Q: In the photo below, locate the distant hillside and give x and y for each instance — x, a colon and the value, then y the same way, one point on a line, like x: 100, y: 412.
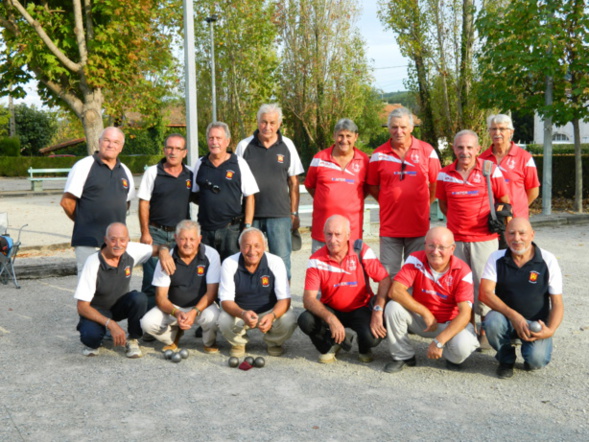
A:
x: 405, y: 98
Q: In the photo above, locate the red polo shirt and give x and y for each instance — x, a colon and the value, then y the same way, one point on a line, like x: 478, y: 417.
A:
x: 337, y: 191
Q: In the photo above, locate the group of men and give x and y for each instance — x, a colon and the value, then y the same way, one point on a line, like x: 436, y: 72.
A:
x: 217, y: 273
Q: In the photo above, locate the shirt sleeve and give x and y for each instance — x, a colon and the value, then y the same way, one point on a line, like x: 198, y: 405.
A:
x: 132, y: 192
x: 490, y: 270
x: 441, y: 186
x: 312, y: 276
x: 139, y: 252
x: 195, y: 187
x: 373, y: 177
x: 434, y: 166
x: 249, y: 186
x: 311, y: 178
x: 555, y: 275
x: 227, y: 284
x: 464, y: 291
x: 296, y: 167
x: 86, y: 287
x: 374, y: 268
x: 77, y: 177
x: 281, y: 285
x: 214, y: 271
x: 160, y: 278
x: 531, y: 179
x: 498, y: 184
x: 147, y: 183
x: 408, y: 272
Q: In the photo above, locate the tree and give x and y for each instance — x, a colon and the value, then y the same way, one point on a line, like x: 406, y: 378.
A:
x: 35, y: 128
x: 324, y: 72
x: 88, y: 56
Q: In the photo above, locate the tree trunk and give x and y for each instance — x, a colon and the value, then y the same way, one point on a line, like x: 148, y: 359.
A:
x: 578, y: 203
x: 547, y: 162
x: 92, y: 120
x: 428, y: 132
x: 466, y: 62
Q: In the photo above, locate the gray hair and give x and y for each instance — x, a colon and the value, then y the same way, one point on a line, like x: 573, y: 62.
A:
x: 111, y: 225
x: 401, y: 112
x: 271, y: 108
x: 345, y: 124
x: 187, y: 224
x: 175, y: 135
x: 249, y: 230
x: 116, y: 129
x: 500, y: 119
x: 343, y: 218
x: 220, y: 125
x: 466, y: 132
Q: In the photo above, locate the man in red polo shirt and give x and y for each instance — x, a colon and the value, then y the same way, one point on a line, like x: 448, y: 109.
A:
x: 347, y: 301
x: 463, y: 196
x: 402, y: 178
x: 517, y: 165
x: 440, y: 306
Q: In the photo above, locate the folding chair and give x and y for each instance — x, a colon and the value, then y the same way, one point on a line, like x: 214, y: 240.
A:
x: 8, y: 251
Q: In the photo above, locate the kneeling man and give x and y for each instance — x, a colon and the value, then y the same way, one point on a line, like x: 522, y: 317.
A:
x: 521, y: 284
x: 341, y: 273
x: 255, y: 293
x: 188, y: 296
x: 103, y: 293
x: 440, y: 307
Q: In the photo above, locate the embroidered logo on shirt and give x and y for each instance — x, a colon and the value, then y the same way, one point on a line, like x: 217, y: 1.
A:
x: 476, y: 177
x: 189, y: 184
x: 265, y: 281
x: 125, y: 183
x: 200, y: 270
x: 280, y: 158
x: 511, y: 163
x: 533, y: 279
x: 414, y: 157
x: 356, y: 166
x: 352, y: 264
x: 127, y: 271
x: 229, y: 174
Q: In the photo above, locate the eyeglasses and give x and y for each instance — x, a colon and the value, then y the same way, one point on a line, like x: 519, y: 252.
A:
x: 433, y: 247
x: 499, y: 129
x: 172, y: 148
x: 402, y: 171
x: 212, y: 187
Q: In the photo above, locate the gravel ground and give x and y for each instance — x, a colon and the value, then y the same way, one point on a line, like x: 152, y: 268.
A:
x: 49, y: 392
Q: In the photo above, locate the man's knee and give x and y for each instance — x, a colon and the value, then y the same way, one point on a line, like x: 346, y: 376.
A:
x: 495, y: 323
x: 307, y: 322
x: 91, y: 333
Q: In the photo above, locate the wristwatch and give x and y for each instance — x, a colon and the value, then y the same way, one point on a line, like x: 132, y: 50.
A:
x: 247, y: 225
x: 377, y: 308
x: 294, y: 213
x: 438, y: 344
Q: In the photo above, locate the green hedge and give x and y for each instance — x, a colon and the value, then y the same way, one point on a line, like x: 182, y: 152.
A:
x: 18, y: 166
x: 563, y: 175
x: 10, y: 146
x: 557, y: 149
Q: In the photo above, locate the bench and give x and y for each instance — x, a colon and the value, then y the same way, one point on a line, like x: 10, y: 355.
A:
x: 37, y: 181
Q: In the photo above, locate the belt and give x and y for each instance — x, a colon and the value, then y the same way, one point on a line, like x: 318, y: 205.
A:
x: 236, y: 220
x: 164, y: 228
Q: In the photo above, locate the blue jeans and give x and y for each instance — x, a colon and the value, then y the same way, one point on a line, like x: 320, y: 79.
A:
x: 224, y: 241
x: 278, y: 231
x: 500, y: 331
x: 131, y: 306
x: 159, y: 237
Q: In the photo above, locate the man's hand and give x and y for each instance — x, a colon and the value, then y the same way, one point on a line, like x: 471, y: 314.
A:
x: 250, y: 318
x: 430, y: 322
x: 265, y: 324
x: 521, y: 327
x: 296, y: 222
x: 185, y: 319
x: 146, y: 238
x: 377, y: 325
x: 119, y: 337
x: 166, y: 261
x: 545, y: 333
x: 433, y: 352
x: 338, y: 331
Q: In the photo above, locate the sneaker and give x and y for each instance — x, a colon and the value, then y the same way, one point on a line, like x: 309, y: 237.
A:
x: 396, y: 366
x: 88, y: 351
x: 366, y: 358
x: 172, y: 347
x: 211, y: 350
x: 133, y: 350
x: 528, y: 367
x: 453, y: 366
x: 275, y: 350
x: 483, y: 344
x: 237, y: 351
x: 329, y: 357
x: 504, y: 371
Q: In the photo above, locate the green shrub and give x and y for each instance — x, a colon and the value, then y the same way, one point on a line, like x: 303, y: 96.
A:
x: 563, y: 175
x: 557, y: 149
x: 10, y: 146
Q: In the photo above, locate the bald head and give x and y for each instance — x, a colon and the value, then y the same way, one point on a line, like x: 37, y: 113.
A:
x: 519, y: 236
x: 337, y: 235
x: 439, y: 248
x: 116, y: 239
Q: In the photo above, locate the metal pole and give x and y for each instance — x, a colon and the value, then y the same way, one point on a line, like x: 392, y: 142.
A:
x: 190, y: 83
x: 211, y: 21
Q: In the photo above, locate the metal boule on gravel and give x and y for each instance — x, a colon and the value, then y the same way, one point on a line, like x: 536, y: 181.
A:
x: 233, y: 362
x: 259, y: 362
x: 184, y: 353
x: 168, y: 354
x: 249, y: 360
x: 176, y: 358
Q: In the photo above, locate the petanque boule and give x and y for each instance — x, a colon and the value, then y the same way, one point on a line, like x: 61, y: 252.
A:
x: 184, y: 353
x: 233, y: 362
x: 168, y: 354
x: 535, y: 327
x: 176, y: 358
x: 249, y: 360
x: 259, y: 362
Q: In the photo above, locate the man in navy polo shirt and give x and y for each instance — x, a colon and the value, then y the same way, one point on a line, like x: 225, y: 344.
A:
x: 188, y: 296
x: 97, y: 192
x: 521, y: 284
x: 164, y: 196
x: 255, y: 293
x: 223, y: 181
x: 275, y: 163
x: 104, y: 295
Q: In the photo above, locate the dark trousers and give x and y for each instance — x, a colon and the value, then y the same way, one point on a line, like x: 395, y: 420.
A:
x: 131, y: 306
x: 224, y: 240
x: 358, y: 320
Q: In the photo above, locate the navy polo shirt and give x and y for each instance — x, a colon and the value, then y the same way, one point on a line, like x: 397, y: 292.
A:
x: 168, y: 196
x: 102, y: 198
x: 525, y: 289
x: 216, y: 210
x: 189, y: 283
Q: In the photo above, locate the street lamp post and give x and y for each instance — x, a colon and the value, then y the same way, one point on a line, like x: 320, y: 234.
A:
x: 211, y: 20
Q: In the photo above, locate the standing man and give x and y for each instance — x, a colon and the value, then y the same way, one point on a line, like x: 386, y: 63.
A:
x: 522, y: 284
x: 275, y: 163
x: 164, y: 196
x: 188, y: 296
x: 439, y: 306
x: 402, y: 178
x: 517, y: 165
x: 223, y: 182
x: 341, y: 274
x: 462, y: 192
x: 98, y: 192
x: 255, y: 293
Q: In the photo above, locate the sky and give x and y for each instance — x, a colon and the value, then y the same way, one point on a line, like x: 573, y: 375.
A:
x: 390, y: 67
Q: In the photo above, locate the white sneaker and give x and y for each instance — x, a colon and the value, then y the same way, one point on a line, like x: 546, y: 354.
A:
x: 88, y: 351
x: 133, y: 350
x: 329, y: 357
